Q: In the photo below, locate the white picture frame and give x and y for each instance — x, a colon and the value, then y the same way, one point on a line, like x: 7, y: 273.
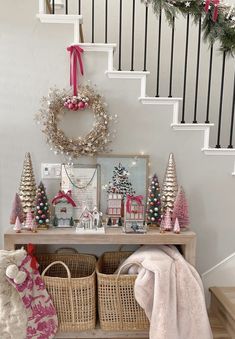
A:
x: 84, y: 183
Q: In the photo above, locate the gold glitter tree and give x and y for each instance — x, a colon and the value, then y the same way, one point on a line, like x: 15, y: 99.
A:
x: 170, y: 186
x: 27, y: 189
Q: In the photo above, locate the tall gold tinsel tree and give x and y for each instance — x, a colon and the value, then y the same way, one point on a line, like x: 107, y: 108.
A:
x: 27, y: 189
x: 170, y: 185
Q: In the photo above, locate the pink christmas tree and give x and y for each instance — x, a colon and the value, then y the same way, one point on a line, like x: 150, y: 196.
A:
x: 176, y: 228
x: 29, y: 220
x: 180, y: 210
x: 167, y: 221
x: 17, y: 210
x: 18, y: 225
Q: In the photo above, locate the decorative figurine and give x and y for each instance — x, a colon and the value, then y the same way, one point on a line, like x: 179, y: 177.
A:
x: 90, y: 221
x: 134, y: 215
x: 64, y: 208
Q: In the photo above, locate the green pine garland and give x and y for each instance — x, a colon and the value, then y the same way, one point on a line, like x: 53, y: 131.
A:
x: 223, y: 30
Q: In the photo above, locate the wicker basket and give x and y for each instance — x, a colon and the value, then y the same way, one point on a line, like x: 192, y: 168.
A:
x: 118, y: 309
x: 71, y: 282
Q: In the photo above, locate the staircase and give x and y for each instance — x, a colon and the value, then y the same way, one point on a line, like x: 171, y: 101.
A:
x: 177, y: 103
x: 222, y: 311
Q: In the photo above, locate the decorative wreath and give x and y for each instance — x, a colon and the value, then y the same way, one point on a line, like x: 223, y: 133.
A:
x: 218, y: 18
x: 55, y: 106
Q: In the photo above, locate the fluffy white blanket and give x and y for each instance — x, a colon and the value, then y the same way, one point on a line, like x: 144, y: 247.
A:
x: 13, y: 318
x: 170, y: 291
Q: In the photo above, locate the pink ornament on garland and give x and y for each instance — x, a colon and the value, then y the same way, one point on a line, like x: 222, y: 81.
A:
x: 176, y: 226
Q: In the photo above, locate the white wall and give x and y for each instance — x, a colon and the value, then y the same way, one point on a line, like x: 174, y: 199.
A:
x: 33, y: 58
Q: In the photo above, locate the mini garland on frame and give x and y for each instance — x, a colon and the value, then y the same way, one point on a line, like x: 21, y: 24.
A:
x: 54, y: 106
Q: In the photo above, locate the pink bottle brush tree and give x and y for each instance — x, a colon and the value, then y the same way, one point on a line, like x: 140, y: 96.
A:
x: 17, y: 210
x: 180, y: 210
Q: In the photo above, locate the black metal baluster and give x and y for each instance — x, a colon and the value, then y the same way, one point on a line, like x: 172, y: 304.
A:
x: 79, y: 7
x: 209, y: 86
x: 133, y: 37
x: 93, y: 22
x: 172, y: 57
x: 185, y: 70
x: 232, y: 117
x: 66, y: 6
x: 159, y: 52
x: 53, y: 6
x: 221, y: 101
x: 145, y: 38
x: 106, y: 23
x: 120, y: 38
x: 197, y: 70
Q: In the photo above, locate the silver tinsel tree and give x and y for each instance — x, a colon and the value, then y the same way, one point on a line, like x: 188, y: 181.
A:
x: 27, y: 189
x: 170, y: 185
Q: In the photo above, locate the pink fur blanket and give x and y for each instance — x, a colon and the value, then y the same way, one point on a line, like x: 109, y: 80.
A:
x: 170, y: 291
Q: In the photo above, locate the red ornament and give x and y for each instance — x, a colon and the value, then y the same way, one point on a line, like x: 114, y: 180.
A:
x: 39, y: 211
x: 81, y: 105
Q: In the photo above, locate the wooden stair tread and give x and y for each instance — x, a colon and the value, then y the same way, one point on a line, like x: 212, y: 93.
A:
x: 226, y: 296
x: 218, y: 330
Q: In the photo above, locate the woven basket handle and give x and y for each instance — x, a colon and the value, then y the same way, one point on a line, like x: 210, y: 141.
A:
x: 66, y: 249
x: 126, y: 264
x: 56, y: 263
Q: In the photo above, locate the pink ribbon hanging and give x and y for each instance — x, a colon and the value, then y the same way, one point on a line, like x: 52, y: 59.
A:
x: 131, y: 198
x: 216, y: 9
x: 75, y: 58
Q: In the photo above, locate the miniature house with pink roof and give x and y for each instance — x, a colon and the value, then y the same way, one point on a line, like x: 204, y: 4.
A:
x: 64, y: 209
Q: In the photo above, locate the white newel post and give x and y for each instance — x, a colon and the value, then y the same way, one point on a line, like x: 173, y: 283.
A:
x: 42, y: 7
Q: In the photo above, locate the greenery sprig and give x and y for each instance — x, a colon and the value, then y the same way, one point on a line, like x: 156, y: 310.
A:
x: 221, y: 30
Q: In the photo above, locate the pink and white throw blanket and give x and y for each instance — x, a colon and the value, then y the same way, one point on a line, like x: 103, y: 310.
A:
x: 170, y: 291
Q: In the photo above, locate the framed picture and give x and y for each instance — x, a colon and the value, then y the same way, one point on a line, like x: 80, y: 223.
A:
x: 84, y: 183
x: 135, y: 169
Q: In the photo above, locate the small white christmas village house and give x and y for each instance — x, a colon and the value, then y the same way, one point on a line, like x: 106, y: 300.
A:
x: 134, y: 214
x: 90, y: 220
x: 64, y: 208
x: 115, y: 207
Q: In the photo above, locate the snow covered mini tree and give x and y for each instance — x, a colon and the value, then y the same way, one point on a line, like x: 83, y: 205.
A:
x: 176, y: 228
x: 154, y: 202
x: 18, y: 225
x: 167, y: 221
x: 17, y: 210
x: 27, y: 190
x: 180, y: 210
x: 120, y: 183
x: 29, y: 220
x: 42, y: 207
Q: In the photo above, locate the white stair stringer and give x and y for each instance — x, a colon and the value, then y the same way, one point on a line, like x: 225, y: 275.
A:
x: 75, y: 20
x: 195, y: 127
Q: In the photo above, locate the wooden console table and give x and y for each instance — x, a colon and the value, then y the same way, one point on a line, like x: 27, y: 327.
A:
x: 187, y: 241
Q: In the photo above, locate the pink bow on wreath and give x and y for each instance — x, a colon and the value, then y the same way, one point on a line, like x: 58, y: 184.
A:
x: 131, y: 198
x: 75, y: 58
x: 216, y: 10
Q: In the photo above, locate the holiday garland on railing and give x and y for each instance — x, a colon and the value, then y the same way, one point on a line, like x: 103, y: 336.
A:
x: 218, y: 18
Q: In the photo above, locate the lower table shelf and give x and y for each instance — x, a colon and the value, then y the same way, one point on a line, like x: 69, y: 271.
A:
x: 100, y: 334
